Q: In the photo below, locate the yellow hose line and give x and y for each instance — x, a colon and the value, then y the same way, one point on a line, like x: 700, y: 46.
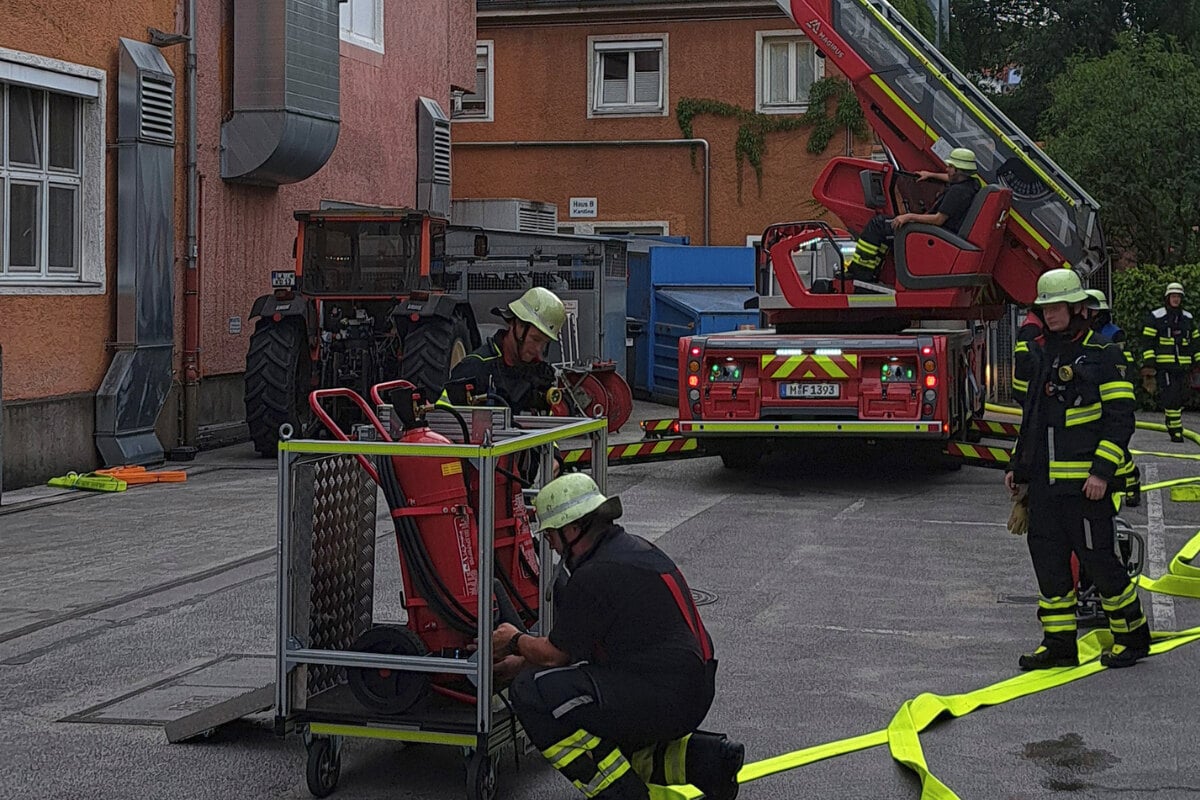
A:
x: 902, y: 735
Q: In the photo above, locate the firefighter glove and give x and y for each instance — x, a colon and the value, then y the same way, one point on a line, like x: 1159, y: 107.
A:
x: 1018, y: 520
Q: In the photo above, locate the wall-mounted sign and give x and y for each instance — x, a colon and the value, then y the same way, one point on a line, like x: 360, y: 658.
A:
x: 583, y: 207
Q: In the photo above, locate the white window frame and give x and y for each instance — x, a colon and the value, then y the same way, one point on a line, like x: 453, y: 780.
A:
x: 761, y: 72
x: 630, y: 43
x: 89, y: 86
x: 346, y: 25
x: 589, y: 228
x: 487, y: 48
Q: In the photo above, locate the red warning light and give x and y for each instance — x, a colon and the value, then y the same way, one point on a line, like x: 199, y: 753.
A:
x: 926, y: 350
x: 693, y: 380
x: 930, y: 381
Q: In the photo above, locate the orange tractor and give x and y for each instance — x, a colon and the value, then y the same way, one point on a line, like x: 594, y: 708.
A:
x: 365, y: 304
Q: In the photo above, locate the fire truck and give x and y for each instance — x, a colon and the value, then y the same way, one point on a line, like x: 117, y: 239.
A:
x: 907, y: 357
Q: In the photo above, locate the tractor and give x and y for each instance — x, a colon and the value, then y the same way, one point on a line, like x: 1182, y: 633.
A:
x: 364, y: 304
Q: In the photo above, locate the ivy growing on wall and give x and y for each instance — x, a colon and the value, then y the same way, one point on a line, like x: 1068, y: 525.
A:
x: 753, y: 127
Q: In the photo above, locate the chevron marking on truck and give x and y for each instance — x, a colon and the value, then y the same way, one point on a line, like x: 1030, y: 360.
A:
x: 835, y: 367
x: 638, y: 451
x: 980, y: 453
x: 995, y: 428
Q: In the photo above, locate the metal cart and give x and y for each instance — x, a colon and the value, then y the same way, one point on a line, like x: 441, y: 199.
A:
x: 326, y: 558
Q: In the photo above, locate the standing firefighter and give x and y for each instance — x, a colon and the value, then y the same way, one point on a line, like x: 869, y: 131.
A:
x: 509, y: 367
x: 613, y: 696
x: 1078, y: 418
x: 1100, y: 315
x: 1169, y: 339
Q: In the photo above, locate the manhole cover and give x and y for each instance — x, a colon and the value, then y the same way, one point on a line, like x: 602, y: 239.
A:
x: 702, y: 598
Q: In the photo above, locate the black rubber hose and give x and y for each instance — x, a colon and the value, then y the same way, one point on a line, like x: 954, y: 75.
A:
x: 430, y: 584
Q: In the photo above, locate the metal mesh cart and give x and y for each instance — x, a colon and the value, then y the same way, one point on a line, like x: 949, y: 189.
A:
x: 326, y: 584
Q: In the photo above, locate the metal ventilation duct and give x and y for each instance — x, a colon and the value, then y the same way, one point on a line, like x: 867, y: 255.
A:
x: 433, y: 158
x: 286, y: 91
x: 139, y: 378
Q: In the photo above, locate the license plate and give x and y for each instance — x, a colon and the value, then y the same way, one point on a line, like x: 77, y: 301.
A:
x: 283, y: 279
x: 810, y: 390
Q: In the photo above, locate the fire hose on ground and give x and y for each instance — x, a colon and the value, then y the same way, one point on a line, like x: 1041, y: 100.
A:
x: 902, y: 734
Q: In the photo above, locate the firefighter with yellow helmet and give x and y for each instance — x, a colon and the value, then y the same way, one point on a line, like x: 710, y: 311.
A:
x: 1169, y: 342
x: 1077, y: 421
x: 613, y: 695
x: 510, y: 367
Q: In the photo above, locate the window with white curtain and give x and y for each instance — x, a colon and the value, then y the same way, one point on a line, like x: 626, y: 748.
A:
x: 629, y: 76
x: 51, y: 177
x: 787, y: 68
x: 477, y: 105
x: 362, y: 23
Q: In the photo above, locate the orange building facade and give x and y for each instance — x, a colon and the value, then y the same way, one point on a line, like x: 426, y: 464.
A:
x: 59, y: 64
x: 605, y: 81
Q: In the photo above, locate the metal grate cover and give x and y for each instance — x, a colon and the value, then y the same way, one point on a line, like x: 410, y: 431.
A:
x: 334, y: 579
x: 158, y: 109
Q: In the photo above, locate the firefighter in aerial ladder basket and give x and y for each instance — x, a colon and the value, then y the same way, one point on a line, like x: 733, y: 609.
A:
x: 1169, y: 342
x: 948, y: 212
x: 1078, y: 418
x: 614, y: 694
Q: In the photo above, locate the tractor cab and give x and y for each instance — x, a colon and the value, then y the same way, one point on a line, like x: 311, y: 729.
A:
x: 369, y: 253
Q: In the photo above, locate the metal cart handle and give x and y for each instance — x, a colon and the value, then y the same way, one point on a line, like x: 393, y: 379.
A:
x: 314, y: 402
x: 378, y: 389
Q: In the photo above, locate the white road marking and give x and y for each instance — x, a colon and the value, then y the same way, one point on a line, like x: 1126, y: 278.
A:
x: 892, y: 632
x: 1162, y: 605
x: 850, y: 509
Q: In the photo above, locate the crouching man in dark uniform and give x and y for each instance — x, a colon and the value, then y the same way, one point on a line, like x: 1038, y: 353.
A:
x: 613, y: 696
x: 1078, y: 418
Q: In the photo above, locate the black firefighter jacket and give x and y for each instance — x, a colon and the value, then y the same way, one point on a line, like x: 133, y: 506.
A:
x: 1077, y: 408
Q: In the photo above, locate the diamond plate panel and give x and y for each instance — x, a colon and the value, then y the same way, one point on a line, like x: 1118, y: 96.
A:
x: 333, y: 561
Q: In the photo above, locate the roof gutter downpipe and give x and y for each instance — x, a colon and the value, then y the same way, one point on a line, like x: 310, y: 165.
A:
x: 619, y: 143
x: 191, y: 281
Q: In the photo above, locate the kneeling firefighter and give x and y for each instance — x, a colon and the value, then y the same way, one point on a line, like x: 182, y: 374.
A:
x: 614, y: 695
x: 1078, y: 419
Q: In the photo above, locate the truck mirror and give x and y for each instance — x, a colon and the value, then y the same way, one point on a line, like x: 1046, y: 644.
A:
x: 481, y: 245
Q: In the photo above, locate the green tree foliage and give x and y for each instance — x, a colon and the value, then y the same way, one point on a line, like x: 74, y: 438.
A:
x: 1127, y: 127
x: 920, y: 15
x: 1039, y: 35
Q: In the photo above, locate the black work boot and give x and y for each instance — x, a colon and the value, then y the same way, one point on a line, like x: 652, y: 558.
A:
x: 713, y: 763
x: 1128, y: 650
x: 1049, y: 657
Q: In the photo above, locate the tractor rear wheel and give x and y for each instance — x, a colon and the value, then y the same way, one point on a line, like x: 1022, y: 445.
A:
x: 278, y: 380
x: 431, y: 350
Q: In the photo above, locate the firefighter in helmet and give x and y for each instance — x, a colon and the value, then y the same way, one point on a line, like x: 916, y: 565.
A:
x: 614, y: 694
x: 948, y: 212
x: 1100, y: 314
x: 1169, y: 342
x: 1078, y: 419
x: 509, y: 367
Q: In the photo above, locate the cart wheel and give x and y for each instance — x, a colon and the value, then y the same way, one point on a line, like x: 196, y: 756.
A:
x: 324, y: 767
x: 383, y: 690
x: 481, y: 777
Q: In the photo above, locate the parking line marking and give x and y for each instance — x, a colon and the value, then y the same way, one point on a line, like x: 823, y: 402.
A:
x: 1162, y: 605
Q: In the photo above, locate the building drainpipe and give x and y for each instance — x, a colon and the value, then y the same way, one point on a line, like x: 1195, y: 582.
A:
x: 191, y: 280
x: 615, y: 143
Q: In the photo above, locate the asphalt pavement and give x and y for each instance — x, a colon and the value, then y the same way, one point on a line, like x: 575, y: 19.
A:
x: 843, y: 581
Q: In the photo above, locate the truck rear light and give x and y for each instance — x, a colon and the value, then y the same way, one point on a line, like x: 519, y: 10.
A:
x: 926, y: 350
x: 929, y: 365
x: 695, y: 351
x: 930, y: 381
x: 927, y: 410
x: 693, y: 380
x: 930, y: 395
x: 694, y: 395
x: 695, y: 408
x: 693, y: 366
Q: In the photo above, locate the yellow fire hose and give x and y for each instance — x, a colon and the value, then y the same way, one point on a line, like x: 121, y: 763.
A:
x: 902, y: 735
